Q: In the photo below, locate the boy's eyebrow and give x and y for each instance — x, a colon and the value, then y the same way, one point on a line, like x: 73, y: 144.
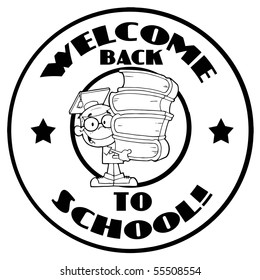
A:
x: 85, y: 117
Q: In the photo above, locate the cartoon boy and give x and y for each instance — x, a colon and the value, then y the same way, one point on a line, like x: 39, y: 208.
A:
x: 95, y: 129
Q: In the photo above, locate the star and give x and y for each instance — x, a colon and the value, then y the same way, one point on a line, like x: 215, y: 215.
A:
x: 221, y: 132
x: 43, y: 132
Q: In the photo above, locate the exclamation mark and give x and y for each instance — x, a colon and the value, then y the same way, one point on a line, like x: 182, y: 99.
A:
x: 201, y: 195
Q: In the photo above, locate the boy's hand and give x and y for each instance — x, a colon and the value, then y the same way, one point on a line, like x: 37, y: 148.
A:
x: 124, y: 155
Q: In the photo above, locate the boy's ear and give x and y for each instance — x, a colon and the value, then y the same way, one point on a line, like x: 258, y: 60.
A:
x: 78, y: 130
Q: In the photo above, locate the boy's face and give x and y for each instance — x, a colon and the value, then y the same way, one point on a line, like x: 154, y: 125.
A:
x: 96, y: 126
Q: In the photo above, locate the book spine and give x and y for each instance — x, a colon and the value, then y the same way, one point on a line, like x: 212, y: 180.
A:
x: 149, y: 80
x: 139, y: 100
x: 142, y: 149
x: 141, y: 79
x: 145, y: 125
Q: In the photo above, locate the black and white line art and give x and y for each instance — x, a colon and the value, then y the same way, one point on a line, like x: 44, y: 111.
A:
x: 130, y: 130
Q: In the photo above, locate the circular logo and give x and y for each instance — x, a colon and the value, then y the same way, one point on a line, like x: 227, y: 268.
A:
x: 130, y: 130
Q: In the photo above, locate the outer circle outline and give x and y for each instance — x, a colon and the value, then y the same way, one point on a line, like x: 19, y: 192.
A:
x: 247, y: 103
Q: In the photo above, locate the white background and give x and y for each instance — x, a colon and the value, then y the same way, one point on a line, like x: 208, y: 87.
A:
x: 31, y: 248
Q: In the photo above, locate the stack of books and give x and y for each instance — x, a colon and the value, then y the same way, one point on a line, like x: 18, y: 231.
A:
x: 142, y: 113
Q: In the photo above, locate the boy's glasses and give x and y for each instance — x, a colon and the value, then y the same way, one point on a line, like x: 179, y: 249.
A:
x: 91, y: 124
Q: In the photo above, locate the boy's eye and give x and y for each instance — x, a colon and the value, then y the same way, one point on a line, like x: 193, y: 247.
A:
x: 106, y: 121
x: 91, y: 124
